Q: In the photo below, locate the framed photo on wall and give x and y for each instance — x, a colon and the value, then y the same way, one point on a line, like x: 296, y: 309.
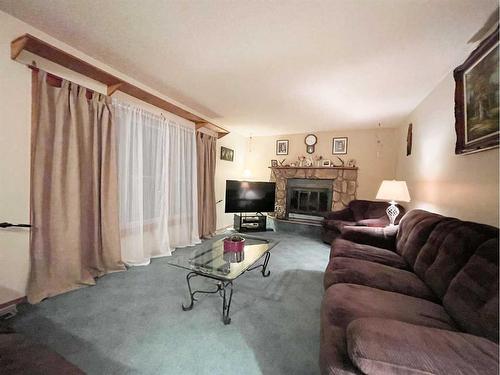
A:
x: 226, y: 154
x: 282, y: 147
x: 339, y: 145
x: 477, y: 99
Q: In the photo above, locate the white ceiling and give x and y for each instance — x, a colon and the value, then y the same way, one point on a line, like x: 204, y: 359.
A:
x: 273, y: 67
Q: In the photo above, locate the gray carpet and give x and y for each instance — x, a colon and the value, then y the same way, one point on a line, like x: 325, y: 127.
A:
x: 132, y: 323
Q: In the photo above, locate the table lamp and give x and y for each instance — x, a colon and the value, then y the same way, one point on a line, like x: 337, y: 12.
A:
x: 393, y: 191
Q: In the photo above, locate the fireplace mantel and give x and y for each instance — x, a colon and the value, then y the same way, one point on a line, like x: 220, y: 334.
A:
x: 345, y: 168
x: 345, y: 184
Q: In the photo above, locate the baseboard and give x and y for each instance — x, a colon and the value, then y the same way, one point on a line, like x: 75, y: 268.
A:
x: 13, y: 302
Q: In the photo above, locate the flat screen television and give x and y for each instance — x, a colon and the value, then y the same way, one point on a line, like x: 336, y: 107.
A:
x: 249, y: 196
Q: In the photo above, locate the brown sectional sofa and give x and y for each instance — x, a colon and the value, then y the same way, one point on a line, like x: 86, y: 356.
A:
x: 358, y: 212
x: 421, y: 298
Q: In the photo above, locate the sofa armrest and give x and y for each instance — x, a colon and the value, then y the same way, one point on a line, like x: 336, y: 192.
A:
x: 378, y: 237
x: 344, y: 215
x: 385, y: 346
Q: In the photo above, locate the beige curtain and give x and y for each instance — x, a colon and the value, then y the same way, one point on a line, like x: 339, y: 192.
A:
x: 206, y: 147
x: 74, y: 195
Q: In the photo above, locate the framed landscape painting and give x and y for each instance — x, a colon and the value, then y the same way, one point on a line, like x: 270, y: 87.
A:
x: 477, y: 99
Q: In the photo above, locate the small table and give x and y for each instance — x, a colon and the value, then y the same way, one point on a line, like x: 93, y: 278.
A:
x: 210, y: 261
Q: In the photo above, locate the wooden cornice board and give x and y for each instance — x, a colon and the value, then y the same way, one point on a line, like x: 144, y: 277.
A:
x: 40, y: 48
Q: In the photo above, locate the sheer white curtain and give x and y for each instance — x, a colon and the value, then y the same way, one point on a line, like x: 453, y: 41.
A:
x: 157, y: 184
x: 182, y: 186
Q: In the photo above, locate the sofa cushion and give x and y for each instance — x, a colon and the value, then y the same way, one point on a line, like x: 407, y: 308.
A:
x: 375, y: 275
x: 336, y: 224
x: 374, y: 223
x: 348, y: 302
x: 414, y: 230
x: 472, y: 298
x: 348, y: 249
x: 362, y: 209
x: 381, y: 346
x: 447, y: 250
x: 333, y: 357
x: 384, y: 238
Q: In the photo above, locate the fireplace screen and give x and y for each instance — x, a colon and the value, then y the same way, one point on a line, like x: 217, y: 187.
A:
x: 309, y: 197
x: 309, y: 201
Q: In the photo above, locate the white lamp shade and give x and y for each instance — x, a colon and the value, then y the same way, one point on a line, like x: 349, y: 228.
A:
x: 392, y: 190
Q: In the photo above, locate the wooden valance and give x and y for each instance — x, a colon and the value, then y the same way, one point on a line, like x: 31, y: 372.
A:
x: 43, y: 49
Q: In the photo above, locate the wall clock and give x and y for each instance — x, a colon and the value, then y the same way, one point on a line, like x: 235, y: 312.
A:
x: 310, y: 141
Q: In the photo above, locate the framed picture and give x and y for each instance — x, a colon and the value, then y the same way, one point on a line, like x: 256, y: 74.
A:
x: 476, y: 99
x: 326, y: 163
x: 274, y: 163
x: 226, y: 154
x: 409, y: 140
x: 339, y: 145
x: 282, y: 147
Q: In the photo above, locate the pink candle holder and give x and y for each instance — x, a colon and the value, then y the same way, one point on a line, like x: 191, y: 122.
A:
x: 233, y: 249
x: 233, y: 246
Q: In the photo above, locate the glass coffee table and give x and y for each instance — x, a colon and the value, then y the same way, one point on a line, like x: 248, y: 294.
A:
x: 210, y: 261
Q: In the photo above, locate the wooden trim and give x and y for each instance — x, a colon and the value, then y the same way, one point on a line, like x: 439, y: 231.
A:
x: 17, y: 46
x: 16, y: 302
x: 217, y: 129
x: 43, y: 49
x: 113, y: 88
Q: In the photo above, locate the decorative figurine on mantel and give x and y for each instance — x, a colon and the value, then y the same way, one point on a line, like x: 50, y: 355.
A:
x: 282, y: 163
x: 301, y: 162
x: 318, y: 159
x: 352, y: 163
x: 340, y: 162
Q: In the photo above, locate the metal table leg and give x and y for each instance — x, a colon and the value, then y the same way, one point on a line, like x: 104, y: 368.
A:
x: 226, y: 303
x: 264, y: 271
x: 189, y: 276
x: 222, y: 287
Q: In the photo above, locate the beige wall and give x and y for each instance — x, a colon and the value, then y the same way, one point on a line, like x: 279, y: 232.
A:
x: 373, y: 149
x: 227, y: 170
x: 464, y: 186
x: 15, y: 99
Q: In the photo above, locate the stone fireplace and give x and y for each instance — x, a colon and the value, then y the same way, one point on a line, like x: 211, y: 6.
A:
x: 313, y: 190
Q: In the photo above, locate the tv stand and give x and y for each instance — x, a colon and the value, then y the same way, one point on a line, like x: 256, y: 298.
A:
x: 250, y: 222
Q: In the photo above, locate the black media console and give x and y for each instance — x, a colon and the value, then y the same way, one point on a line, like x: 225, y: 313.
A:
x: 250, y: 222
